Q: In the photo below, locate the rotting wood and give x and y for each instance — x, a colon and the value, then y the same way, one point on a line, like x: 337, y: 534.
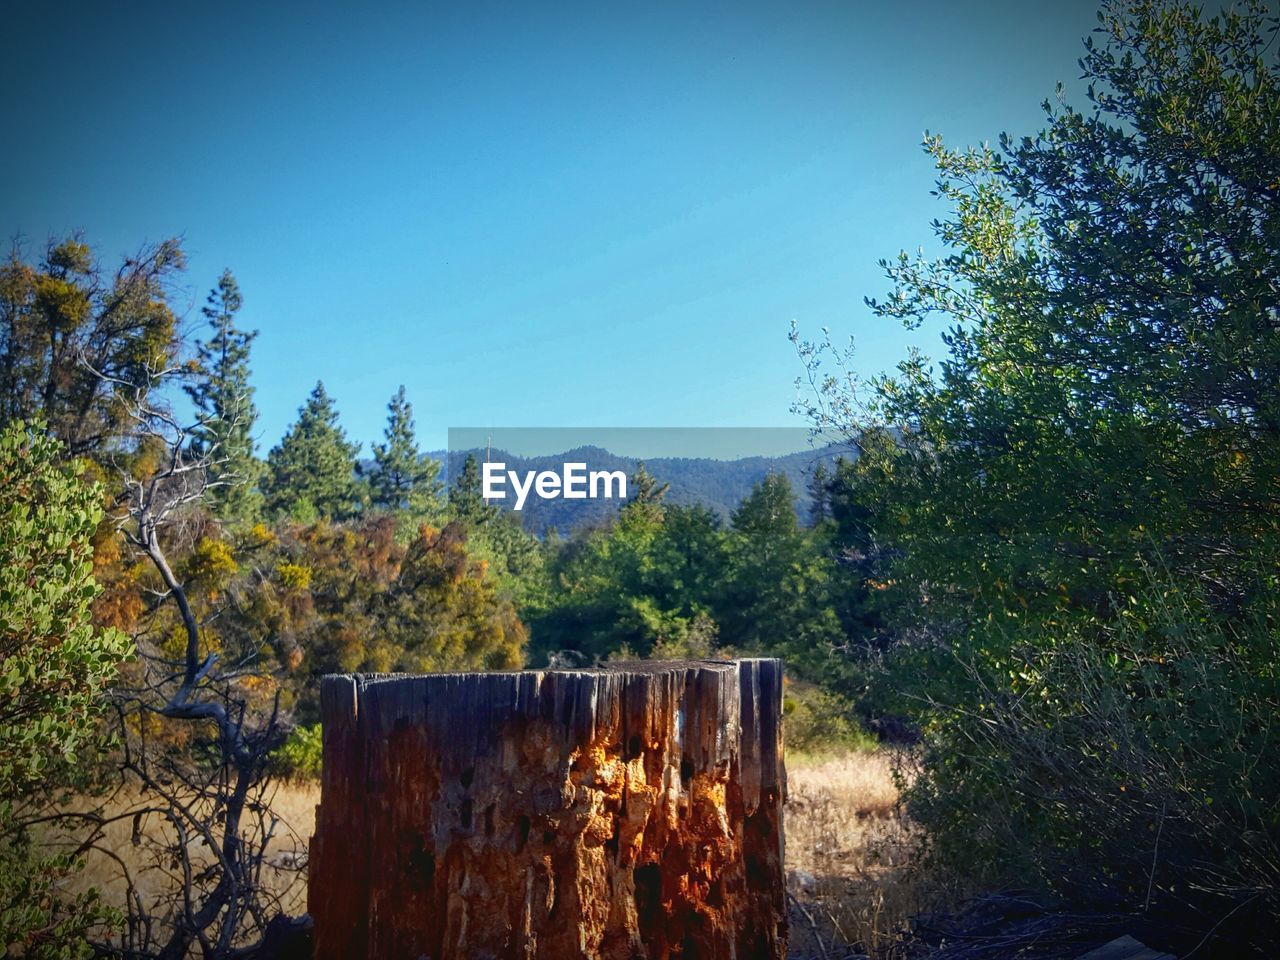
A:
x: 632, y: 811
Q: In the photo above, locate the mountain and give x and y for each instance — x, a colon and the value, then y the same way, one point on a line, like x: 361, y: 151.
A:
x: 718, y: 484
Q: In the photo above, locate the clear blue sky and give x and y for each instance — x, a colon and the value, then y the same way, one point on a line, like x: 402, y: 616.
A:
x: 538, y: 214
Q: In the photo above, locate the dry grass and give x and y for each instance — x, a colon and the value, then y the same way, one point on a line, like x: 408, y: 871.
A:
x: 848, y: 851
x: 120, y: 868
x: 849, y: 855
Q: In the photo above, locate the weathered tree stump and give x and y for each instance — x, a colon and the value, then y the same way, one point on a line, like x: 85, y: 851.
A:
x: 632, y: 811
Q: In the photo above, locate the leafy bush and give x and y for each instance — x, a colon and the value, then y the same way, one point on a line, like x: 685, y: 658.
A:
x: 1076, y: 522
x: 1133, y: 764
x: 299, y: 757
x: 54, y: 665
x: 818, y: 721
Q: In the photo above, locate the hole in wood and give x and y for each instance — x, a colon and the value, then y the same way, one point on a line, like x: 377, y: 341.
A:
x: 648, y: 888
x: 428, y: 869
x: 611, y: 845
x: 522, y: 833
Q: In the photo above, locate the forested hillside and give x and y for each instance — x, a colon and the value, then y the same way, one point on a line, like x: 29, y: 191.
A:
x: 718, y: 484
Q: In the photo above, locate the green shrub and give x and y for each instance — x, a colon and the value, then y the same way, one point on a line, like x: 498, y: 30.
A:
x: 1101, y: 412
x: 38, y: 921
x: 818, y: 721
x: 299, y: 757
x: 1134, y: 764
x: 54, y: 664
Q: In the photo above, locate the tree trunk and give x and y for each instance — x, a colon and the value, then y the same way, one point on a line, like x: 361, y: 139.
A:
x: 632, y: 811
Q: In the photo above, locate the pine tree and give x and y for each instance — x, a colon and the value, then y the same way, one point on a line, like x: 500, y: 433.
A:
x: 644, y: 509
x: 466, y: 498
x: 223, y: 397
x: 778, y: 594
x: 312, y: 471
x: 819, y: 495
x: 769, y: 511
x: 401, y: 478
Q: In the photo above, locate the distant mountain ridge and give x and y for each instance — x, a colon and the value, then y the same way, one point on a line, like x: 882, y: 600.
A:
x: 718, y: 484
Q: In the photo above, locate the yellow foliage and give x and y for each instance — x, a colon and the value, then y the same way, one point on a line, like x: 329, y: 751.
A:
x: 260, y: 535
x: 211, y: 563
x: 294, y: 575
x: 257, y: 683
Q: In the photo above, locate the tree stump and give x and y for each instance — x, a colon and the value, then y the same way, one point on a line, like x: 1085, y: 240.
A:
x: 632, y: 811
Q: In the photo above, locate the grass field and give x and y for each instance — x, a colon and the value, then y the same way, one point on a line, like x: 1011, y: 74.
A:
x: 849, y: 854
x: 848, y: 851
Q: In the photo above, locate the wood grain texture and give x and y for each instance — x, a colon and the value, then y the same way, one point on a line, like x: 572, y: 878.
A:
x: 632, y: 811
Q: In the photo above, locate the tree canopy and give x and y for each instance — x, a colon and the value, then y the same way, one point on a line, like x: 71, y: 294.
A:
x: 1076, y: 517
x: 71, y: 334
x: 312, y: 470
x: 223, y: 397
x: 402, y: 478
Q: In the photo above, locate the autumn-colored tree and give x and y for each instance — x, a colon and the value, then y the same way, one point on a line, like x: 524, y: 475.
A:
x: 354, y: 597
x: 444, y: 611
x: 68, y: 328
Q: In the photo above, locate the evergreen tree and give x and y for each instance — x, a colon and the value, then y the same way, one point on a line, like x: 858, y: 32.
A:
x: 224, y: 399
x: 644, y: 509
x: 860, y: 563
x: 401, y: 478
x: 512, y: 555
x: 777, y: 597
x: 768, y: 514
x: 688, y: 560
x: 820, y: 495
x: 466, y: 498
x: 312, y: 471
